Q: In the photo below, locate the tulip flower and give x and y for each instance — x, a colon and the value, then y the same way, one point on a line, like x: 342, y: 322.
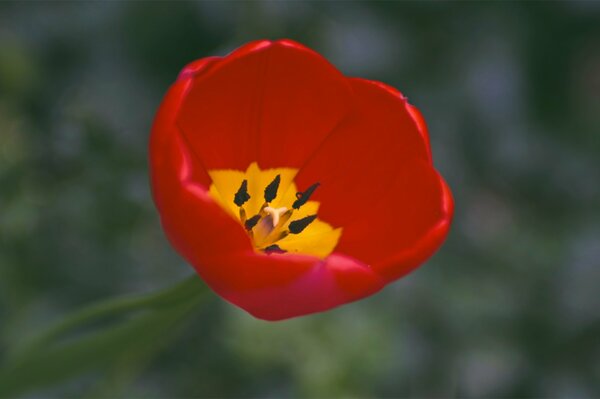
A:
x: 289, y: 187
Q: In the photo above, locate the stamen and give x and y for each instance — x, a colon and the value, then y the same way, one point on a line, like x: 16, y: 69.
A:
x: 242, y: 195
x: 275, y: 225
x: 286, y: 216
x: 262, y: 209
x: 271, y: 190
x: 282, y: 235
x: 250, y: 223
x: 274, y: 249
x: 302, y: 198
x: 297, y: 226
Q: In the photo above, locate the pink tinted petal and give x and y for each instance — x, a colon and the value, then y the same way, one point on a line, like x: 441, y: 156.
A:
x: 197, y: 67
x: 327, y: 284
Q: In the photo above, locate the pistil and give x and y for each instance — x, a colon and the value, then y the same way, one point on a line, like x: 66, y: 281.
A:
x: 275, y: 213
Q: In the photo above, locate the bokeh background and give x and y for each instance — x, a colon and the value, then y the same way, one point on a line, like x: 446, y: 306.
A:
x: 509, y: 307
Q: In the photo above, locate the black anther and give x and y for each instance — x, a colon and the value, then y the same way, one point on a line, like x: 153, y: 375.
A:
x: 271, y: 190
x: 242, y: 195
x: 274, y: 249
x: 297, y: 226
x: 250, y: 223
x: 302, y: 198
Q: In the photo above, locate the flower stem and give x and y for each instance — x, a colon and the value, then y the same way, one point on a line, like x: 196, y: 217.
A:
x: 117, y: 333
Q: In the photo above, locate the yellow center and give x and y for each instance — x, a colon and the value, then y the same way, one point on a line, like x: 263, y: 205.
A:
x: 278, y: 218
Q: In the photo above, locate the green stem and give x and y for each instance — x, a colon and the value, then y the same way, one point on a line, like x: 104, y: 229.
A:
x: 125, y: 371
x: 141, y: 327
x: 184, y: 290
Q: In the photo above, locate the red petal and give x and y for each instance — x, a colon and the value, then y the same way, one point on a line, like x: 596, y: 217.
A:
x: 408, y: 258
x: 191, y: 219
x: 414, y: 113
x: 358, y: 162
x: 406, y: 226
x: 270, y: 102
x: 283, y: 105
x: 271, y: 287
x: 420, y: 121
x: 165, y: 130
x: 326, y: 284
x: 379, y: 185
x: 197, y: 67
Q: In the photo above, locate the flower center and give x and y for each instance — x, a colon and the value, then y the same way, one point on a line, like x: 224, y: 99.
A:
x: 277, y: 217
x: 275, y: 214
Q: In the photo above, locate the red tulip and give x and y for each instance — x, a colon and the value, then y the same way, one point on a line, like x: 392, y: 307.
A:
x: 289, y: 187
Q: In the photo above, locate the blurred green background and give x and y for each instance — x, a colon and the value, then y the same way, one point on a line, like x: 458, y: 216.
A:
x: 509, y: 307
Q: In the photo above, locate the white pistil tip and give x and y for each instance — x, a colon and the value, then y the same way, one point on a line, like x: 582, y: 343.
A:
x: 275, y: 213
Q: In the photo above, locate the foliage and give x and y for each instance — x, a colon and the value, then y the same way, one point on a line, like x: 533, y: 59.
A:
x: 508, y: 307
